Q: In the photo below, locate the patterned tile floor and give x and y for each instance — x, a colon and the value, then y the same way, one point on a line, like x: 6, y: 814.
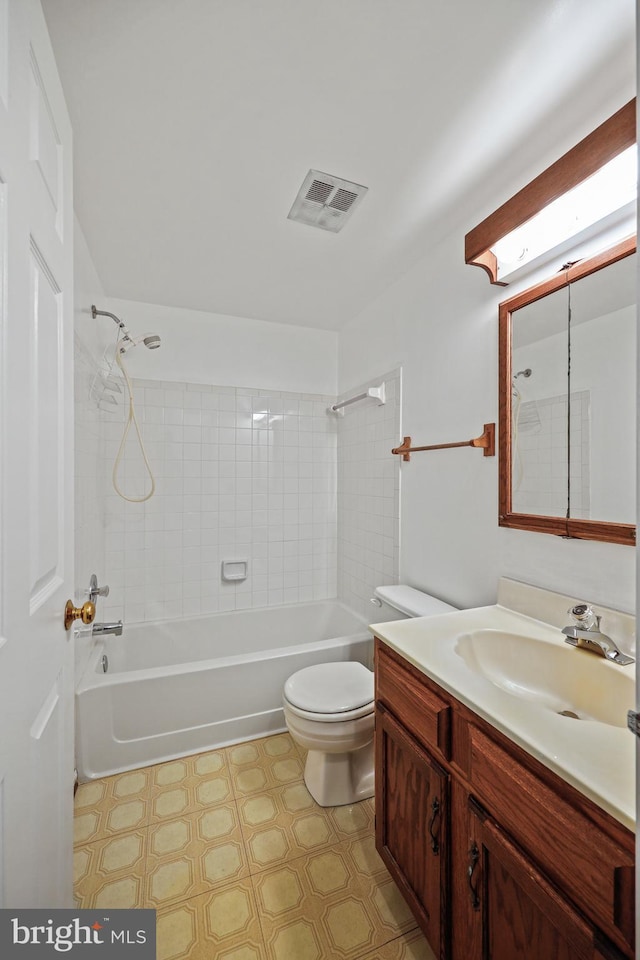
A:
x: 240, y: 862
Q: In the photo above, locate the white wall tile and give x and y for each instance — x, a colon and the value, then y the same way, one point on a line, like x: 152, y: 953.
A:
x: 226, y: 485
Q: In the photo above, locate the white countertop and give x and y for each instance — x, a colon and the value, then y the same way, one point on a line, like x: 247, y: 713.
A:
x: 596, y: 758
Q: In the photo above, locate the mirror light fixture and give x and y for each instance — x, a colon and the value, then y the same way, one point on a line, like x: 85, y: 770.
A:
x: 601, y: 207
x: 581, y: 204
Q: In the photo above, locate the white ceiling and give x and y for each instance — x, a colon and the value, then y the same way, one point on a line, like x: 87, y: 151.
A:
x: 195, y: 122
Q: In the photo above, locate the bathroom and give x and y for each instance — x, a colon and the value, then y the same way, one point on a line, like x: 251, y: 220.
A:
x: 396, y: 305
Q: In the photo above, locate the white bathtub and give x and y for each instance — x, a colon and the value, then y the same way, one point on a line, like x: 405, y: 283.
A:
x: 175, y: 688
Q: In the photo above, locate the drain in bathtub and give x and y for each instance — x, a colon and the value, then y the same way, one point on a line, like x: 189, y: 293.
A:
x: 568, y: 713
x: 105, y: 663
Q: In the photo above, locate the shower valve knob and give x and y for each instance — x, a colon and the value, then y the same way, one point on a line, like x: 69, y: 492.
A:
x: 95, y: 591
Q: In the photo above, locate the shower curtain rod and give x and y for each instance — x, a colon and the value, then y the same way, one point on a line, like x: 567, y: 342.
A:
x: 377, y: 393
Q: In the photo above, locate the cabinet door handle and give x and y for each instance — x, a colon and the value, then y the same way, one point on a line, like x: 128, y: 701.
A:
x: 434, y: 828
x: 474, y: 856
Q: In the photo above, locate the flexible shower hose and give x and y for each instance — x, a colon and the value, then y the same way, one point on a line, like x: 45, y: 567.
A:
x: 131, y: 419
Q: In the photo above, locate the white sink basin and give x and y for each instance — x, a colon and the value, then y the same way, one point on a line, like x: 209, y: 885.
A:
x: 556, y: 677
x: 519, y: 675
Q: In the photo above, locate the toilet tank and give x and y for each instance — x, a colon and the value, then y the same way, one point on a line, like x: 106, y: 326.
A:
x: 399, y: 601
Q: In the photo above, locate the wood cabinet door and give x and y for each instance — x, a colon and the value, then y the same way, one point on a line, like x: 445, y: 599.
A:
x: 412, y: 824
x: 517, y: 914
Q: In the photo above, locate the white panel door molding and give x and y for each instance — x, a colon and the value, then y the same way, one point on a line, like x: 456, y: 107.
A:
x: 45, y: 426
x: 36, y: 460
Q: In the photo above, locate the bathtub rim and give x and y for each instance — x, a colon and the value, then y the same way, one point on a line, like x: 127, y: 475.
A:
x: 159, y: 621
x: 92, y: 677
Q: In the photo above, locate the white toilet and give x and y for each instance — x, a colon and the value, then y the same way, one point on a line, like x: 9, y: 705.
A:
x: 328, y: 709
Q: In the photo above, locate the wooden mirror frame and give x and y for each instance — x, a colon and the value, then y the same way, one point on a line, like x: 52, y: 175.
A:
x: 582, y: 161
x: 623, y: 533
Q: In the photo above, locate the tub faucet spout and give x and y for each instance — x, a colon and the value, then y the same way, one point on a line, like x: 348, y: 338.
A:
x: 99, y: 629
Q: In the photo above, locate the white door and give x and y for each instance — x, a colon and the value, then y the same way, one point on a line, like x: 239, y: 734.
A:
x: 36, y: 459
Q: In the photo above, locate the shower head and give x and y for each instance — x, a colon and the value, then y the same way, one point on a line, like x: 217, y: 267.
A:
x: 522, y: 373
x: 150, y: 340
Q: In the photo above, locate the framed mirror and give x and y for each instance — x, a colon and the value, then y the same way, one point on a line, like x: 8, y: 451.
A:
x: 567, y: 402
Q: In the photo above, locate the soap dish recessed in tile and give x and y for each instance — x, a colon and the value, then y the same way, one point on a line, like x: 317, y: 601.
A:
x: 234, y: 569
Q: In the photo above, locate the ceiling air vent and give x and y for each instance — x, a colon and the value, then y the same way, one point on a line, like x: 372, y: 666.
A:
x: 326, y: 202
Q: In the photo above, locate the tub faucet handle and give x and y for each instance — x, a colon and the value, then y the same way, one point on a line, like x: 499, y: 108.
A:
x: 95, y: 591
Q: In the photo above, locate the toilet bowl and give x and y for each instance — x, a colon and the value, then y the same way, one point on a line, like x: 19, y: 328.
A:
x: 329, y: 710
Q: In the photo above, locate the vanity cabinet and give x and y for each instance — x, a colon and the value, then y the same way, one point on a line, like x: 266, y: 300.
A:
x: 496, y: 855
x: 513, y: 910
x: 412, y: 828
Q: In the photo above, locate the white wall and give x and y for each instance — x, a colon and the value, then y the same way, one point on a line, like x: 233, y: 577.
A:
x: 200, y: 347
x: 368, y: 494
x: 440, y: 323
x: 434, y: 324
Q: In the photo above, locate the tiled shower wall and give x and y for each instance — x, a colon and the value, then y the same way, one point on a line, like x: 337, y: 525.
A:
x: 88, y: 463
x: 89, y: 485
x: 240, y: 475
x: 368, y: 494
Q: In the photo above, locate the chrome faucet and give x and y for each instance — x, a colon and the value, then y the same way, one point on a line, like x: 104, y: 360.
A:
x: 585, y: 633
x: 99, y: 629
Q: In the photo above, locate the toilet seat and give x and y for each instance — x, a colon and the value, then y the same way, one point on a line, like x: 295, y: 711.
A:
x: 330, y: 692
x: 342, y: 717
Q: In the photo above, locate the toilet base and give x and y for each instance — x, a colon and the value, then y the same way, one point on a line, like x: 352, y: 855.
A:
x: 335, y: 779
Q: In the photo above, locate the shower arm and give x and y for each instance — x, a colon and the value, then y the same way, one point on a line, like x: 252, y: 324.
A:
x: 105, y: 313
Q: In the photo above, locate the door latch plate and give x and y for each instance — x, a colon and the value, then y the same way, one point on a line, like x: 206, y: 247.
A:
x: 633, y: 722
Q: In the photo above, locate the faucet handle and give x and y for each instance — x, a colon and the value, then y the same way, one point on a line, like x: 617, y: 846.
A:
x: 583, y: 614
x: 96, y: 591
x: 580, y: 611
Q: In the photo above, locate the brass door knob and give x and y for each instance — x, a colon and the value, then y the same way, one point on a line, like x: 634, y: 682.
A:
x: 86, y: 613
